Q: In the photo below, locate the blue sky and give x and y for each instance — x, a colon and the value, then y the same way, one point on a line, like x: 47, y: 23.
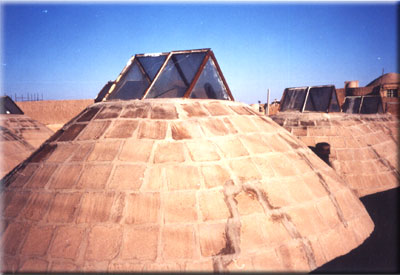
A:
x: 70, y: 51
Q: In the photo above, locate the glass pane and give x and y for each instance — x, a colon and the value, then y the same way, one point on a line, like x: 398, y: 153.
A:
x: 351, y: 105
x: 132, y: 85
x: 104, y: 91
x: 318, y: 99
x: 188, y: 65
x: 168, y: 84
x: 152, y: 64
x: 371, y: 105
x: 334, y: 103
x: 209, y: 84
x: 293, y: 99
x: 392, y: 93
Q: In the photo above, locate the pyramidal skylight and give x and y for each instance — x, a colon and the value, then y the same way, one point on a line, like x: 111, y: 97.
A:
x: 182, y: 74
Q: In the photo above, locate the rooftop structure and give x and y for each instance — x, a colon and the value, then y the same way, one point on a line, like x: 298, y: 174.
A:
x: 361, y: 141
x: 19, y: 135
x: 54, y: 113
x: 363, y: 148
x: 310, y: 99
x: 14, y: 150
x: 379, y: 96
x: 365, y: 104
x: 183, y: 74
x: 176, y: 185
x: 26, y: 128
x: 8, y: 106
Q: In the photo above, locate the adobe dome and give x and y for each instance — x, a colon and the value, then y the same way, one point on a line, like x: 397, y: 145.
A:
x: 176, y: 184
x: 363, y: 147
x: 13, y: 150
x: 19, y: 137
x: 389, y: 78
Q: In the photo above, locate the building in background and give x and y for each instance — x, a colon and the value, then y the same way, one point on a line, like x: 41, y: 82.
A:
x: 360, y: 141
x: 380, y: 95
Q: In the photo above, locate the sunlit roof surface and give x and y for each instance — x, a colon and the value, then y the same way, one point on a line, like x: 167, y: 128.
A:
x: 188, y: 74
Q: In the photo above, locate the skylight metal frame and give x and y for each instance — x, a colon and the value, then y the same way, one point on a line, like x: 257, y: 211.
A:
x: 170, y: 55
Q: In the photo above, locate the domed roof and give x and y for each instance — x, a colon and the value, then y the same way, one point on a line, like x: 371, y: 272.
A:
x: 14, y: 150
x: 389, y: 78
x: 176, y: 184
x: 363, y: 148
x: 19, y: 137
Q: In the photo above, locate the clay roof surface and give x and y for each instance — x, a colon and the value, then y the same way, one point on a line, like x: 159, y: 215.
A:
x: 389, y: 78
x: 176, y: 185
x: 363, y: 147
x: 32, y: 131
x: 13, y: 150
x: 20, y: 136
x: 54, y: 113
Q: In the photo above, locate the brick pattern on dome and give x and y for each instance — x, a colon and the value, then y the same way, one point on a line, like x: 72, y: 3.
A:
x: 34, y: 132
x: 19, y: 137
x: 195, y: 185
x: 363, y: 147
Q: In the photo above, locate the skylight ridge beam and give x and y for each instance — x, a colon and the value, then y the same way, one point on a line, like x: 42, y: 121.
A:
x: 191, y: 51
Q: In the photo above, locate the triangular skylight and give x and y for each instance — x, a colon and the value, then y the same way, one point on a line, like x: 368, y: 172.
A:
x: 188, y: 74
x: 152, y: 64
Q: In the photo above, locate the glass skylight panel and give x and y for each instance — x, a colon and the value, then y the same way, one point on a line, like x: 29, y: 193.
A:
x: 318, y: 99
x: 169, y: 75
x: 169, y: 83
x: 371, y: 105
x: 132, y: 85
x: 152, y: 64
x: 188, y: 64
x: 334, y: 107
x: 351, y: 105
x: 293, y: 99
x: 210, y: 84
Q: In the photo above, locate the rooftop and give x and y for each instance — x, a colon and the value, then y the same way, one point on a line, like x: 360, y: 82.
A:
x: 176, y: 184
